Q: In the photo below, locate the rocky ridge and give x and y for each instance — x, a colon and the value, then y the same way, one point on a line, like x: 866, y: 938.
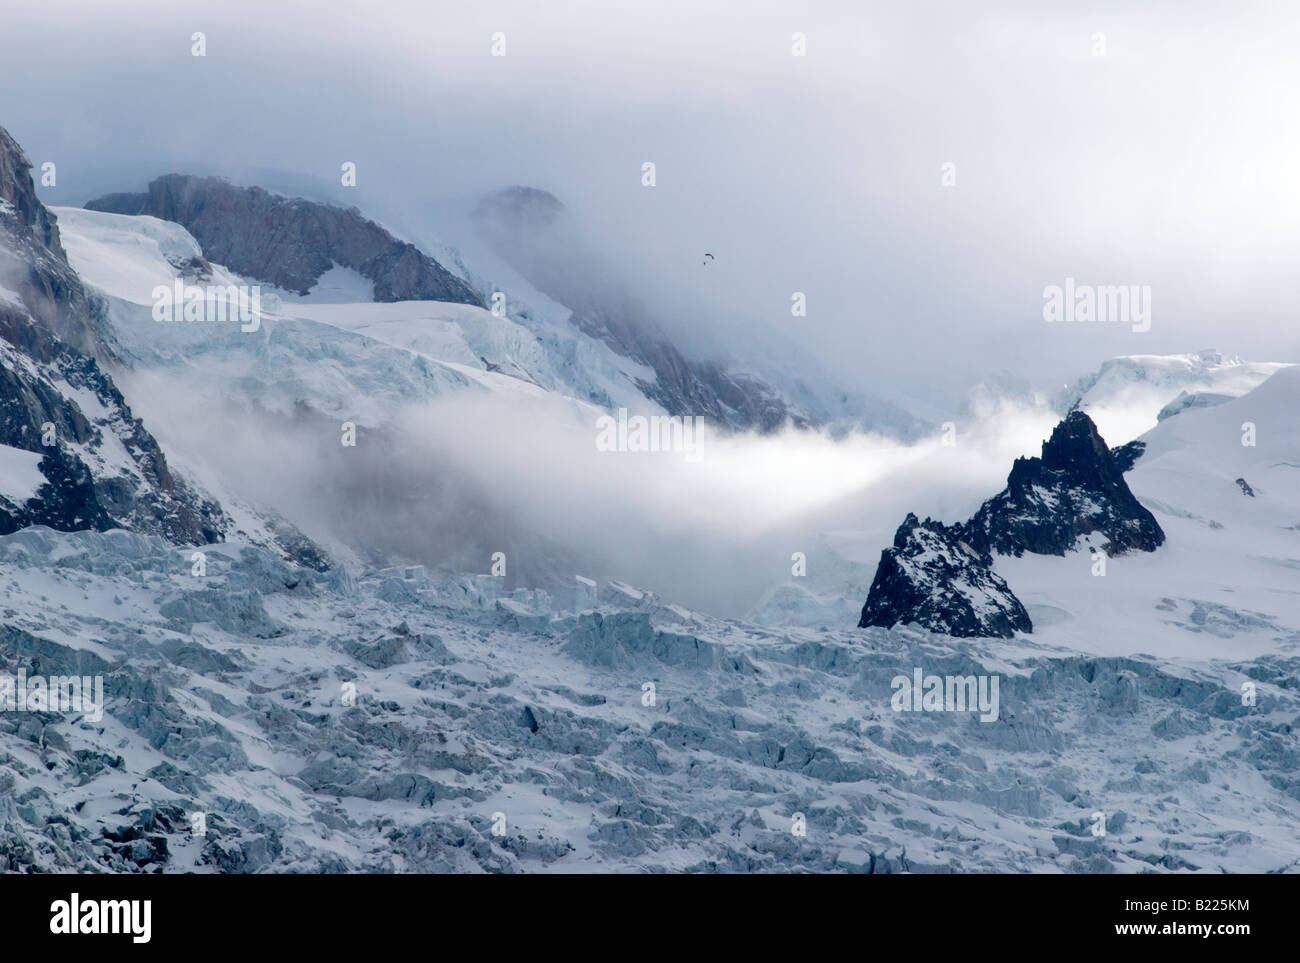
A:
x: 941, y: 577
x: 290, y: 242
x: 101, y: 468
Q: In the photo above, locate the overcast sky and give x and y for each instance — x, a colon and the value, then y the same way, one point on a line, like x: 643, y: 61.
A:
x: 1171, y: 161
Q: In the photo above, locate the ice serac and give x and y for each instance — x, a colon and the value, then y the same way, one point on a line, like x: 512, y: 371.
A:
x: 1128, y: 396
x: 238, y: 682
x: 1075, y: 489
x: 932, y: 578
x: 100, y: 468
x: 290, y: 242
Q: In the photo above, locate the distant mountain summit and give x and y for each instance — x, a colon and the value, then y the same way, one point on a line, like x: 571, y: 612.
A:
x: 529, y: 207
x: 941, y: 577
x: 290, y: 242
x: 533, y: 232
x: 1129, y: 395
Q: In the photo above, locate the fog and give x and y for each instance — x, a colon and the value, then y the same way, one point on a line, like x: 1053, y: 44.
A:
x: 1104, y: 142
x: 456, y: 480
x: 1169, y: 161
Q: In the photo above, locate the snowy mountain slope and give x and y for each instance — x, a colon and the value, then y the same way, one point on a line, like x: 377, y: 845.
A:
x: 1129, y: 395
x: 226, y: 697
x: 535, y: 234
x: 460, y: 334
x: 1224, y: 583
x: 258, y: 415
x: 607, y: 352
x: 593, y: 370
x: 350, y: 360
x: 20, y: 474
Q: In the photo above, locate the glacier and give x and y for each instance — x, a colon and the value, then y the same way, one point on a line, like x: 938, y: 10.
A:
x: 473, y: 709
x: 297, y: 697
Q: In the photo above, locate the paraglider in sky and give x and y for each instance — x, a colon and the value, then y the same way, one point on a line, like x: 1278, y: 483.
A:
x: 710, y: 257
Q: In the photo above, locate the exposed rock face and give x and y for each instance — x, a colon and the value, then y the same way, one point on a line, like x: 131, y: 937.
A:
x: 1126, y: 455
x: 1075, y: 489
x: 33, y: 264
x: 290, y: 242
x: 941, y: 577
x: 532, y: 230
x: 932, y: 578
x: 102, y: 469
x: 19, y: 192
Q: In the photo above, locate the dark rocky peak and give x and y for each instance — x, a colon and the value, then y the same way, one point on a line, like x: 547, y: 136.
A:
x: 98, y: 467
x: 1074, y: 437
x: 33, y: 264
x: 290, y: 242
x: 933, y: 578
x: 1127, y: 455
x: 942, y: 576
x: 18, y: 191
x: 1075, y: 488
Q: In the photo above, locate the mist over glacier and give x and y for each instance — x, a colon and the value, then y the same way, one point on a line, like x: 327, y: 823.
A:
x: 385, y: 580
x: 474, y: 475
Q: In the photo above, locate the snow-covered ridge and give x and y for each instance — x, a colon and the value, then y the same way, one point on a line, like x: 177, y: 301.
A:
x: 283, y: 391
x: 290, y: 242
x: 361, y: 360
x: 1127, y: 395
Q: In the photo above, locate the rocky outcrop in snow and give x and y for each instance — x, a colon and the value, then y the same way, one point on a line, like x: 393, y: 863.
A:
x: 932, y: 578
x: 942, y: 577
x: 1075, y: 489
x: 290, y: 242
x: 101, y: 468
x: 34, y: 273
x: 1126, y: 456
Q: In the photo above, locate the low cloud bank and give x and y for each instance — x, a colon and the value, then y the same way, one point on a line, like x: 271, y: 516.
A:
x: 449, y: 483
